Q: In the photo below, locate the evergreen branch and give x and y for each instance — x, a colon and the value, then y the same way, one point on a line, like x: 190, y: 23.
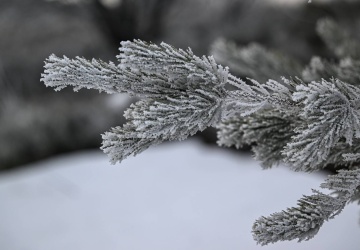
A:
x: 183, y: 93
x: 342, y: 155
x: 267, y: 132
x: 172, y: 81
x: 182, y: 68
x: 331, y: 112
x: 146, y: 70
x: 121, y: 142
x: 81, y: 73
x: 251, y: 98
x: 304, y: 221
x: 152, y: 121
x: 307, y: 125
x: 351, y: 156
x: 230, y: 132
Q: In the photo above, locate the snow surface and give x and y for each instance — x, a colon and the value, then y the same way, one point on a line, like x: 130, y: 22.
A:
x: 181, y: 195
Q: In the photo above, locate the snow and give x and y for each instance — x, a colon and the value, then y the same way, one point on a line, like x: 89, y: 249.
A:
x: 181, y: 195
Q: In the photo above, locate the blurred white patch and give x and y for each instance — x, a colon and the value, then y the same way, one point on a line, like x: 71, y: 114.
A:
x: 69, y: 1
x: 111, y: 3
x: 295, y: 2
x: 116, y: 101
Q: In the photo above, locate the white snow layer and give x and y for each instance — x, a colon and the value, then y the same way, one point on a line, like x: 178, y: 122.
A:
x: 176, y: 196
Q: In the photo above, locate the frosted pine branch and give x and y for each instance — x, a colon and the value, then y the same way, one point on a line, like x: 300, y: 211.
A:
x: 308, y: 125
x: 304, y: 221
x: 254, y: 96
x: 175, y: 71
x: 318, y: 122
x: 153, y: 121
x: 121, y: 142
x: 267, y: 132
x: 81, y: 73
x: 331, y: 112
x: 183, y: 93
x: 351, y: 156
x: 230, y: 132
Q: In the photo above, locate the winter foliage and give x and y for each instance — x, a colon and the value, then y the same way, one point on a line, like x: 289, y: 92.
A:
x: 182, y: 92
x: 307, y: 118
x: 304, y: 221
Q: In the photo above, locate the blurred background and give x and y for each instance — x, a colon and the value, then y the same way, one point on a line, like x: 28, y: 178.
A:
x: 36, y: 123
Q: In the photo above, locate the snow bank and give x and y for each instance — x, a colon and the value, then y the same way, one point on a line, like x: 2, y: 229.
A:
x: 176, y: 196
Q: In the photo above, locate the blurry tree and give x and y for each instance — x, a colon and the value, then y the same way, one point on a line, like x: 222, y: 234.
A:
x: 34, y: 121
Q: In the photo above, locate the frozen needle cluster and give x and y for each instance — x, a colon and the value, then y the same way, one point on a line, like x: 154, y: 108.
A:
x: 181, y: 93
x: 309, y: 121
